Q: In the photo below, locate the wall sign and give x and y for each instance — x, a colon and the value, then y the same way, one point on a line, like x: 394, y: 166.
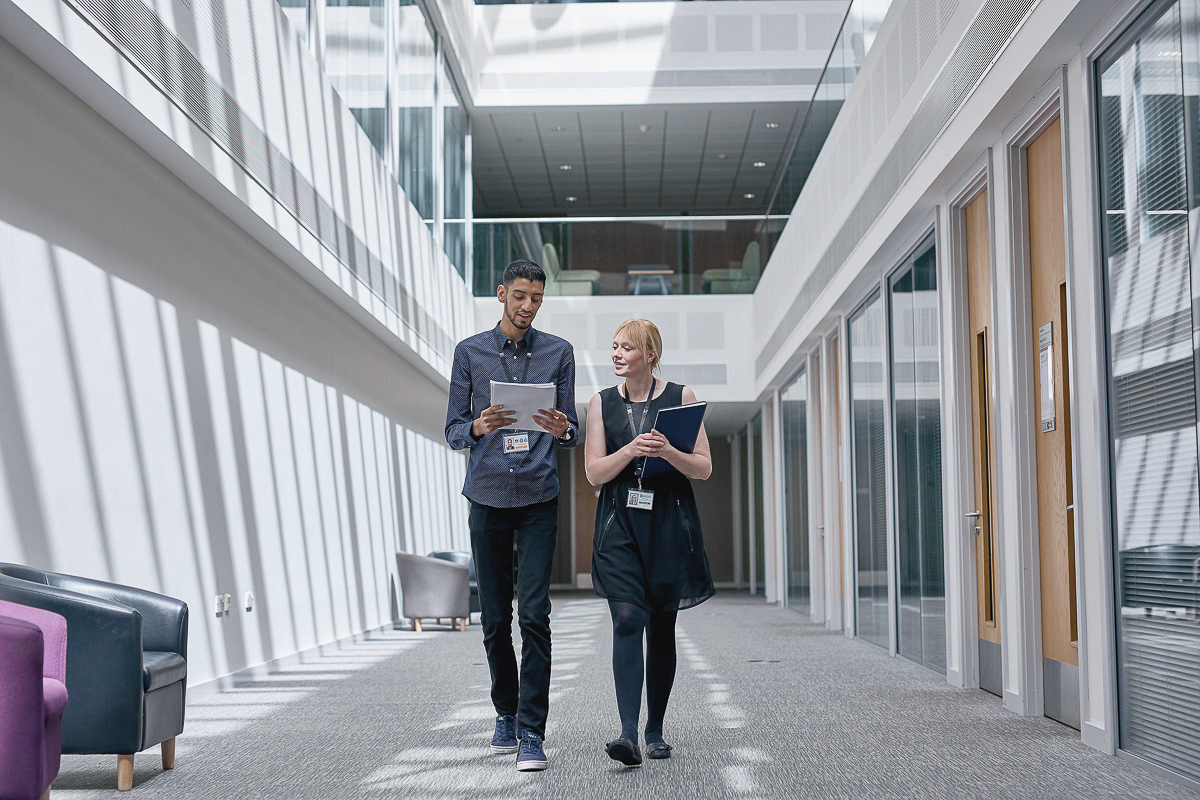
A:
x: 1046, y: 367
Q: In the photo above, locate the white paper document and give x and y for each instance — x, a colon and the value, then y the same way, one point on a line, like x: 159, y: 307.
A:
x: 524, y: 398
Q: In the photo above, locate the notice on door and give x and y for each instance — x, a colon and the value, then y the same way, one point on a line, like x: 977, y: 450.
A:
x: 1046, y: 372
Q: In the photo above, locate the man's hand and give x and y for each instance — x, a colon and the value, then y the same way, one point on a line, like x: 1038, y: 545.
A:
x: 554, y: 421
x: 492, y: 418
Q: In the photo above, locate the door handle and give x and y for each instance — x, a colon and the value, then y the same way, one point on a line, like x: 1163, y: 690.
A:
x: 1071, y: 508
x: 971, y: 514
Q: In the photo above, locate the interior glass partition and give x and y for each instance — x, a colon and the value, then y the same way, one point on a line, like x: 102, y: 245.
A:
x: 356, y: 62
x: 868, y: 396
x: 849, y: 53
x: 916, y: 421
x: 413, y: 103
x: 1148, y: 87
x: 759, y: 557
x: 455, y: 128
x: 642, y: 255
x: 794, y: 411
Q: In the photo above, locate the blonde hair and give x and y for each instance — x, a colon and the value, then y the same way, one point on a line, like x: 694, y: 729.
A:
x: 644, y: 335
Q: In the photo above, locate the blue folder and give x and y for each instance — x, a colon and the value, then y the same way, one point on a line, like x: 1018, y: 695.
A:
x: 681, y: 426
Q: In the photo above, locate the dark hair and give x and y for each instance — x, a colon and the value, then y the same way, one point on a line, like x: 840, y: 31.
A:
x: 523, y: 268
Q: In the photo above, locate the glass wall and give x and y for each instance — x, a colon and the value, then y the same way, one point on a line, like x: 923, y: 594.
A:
x: 646, y: 255
x: 916, y: 420
x: 868, y: 395
x: 413, y: 100
x: 455, y: 183
x: 854, y: 41
x: 382, y: 58
x: 793, y: 408
x: 1149, y: 95
x: 356, y: 62
x: 297, y: 13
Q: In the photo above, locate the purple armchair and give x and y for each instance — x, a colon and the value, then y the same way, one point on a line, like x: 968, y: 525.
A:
x: 33, y: 694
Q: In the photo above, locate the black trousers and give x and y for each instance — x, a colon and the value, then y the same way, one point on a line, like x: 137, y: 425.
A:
x: 525, y: 695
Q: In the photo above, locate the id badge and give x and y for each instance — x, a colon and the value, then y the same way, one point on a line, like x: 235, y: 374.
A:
x: 639, y: 499
x: 516, y: 443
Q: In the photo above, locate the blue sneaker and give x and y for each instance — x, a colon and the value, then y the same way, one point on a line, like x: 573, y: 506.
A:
x: 505, y: 738
x: 531, y: 756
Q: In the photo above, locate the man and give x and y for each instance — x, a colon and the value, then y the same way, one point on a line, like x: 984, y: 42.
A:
x: 512, y: 483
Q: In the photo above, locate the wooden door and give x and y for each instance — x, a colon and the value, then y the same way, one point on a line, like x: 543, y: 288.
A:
x: 1056, y: 536
x: 979, y: 313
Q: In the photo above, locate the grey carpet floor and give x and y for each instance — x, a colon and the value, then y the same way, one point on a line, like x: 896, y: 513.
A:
x: 765, y: 706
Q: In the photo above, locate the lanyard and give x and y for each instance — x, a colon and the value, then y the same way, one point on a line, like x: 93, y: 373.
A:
x: 637, y: 429
x: 504, y: 362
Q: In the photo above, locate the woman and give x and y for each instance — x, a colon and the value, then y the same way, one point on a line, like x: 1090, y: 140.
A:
x: 647, y: 553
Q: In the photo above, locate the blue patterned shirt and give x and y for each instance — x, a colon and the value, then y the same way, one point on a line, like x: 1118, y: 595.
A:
x: 495, y: 478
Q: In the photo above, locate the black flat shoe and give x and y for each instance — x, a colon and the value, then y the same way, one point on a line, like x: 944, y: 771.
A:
x: 626, y: 751
x: 658, y: 750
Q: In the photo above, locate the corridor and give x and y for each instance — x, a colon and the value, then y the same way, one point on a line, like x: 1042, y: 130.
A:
x: 765, y: 706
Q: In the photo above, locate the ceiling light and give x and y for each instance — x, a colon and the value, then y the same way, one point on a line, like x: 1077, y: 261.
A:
x: 760, y: 163
x: 749, y: 195
x: 571, y: 199
x: 558, y: 129
x: 643, y: 127
x: 772, y: 124
x: 722, y: 156
x: 565, y: 166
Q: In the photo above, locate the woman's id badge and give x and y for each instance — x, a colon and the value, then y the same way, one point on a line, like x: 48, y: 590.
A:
x: 640, y: 499
x: 516, y: 443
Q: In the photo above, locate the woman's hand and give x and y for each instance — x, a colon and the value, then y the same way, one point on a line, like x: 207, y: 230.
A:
x: 648, y: 444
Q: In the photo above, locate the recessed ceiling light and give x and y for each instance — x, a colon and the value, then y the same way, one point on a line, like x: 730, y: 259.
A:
x: 643, y: 127
x: 749, y: 195
x: 558, y: 129
x: 571, y: 199
x: 760, y: 163
x: 565, y: 166
x: 772, y: 124
x: 722, y: 156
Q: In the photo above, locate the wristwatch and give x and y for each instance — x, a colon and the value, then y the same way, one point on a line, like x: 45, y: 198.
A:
x: 566, y: 437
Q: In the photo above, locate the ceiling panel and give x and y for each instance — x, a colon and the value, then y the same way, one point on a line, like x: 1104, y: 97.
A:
x: 652, y: 160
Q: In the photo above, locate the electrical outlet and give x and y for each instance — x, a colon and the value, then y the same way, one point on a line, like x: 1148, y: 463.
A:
x: 220, y: 605
x: 249, y: 601
x: 228, y: 603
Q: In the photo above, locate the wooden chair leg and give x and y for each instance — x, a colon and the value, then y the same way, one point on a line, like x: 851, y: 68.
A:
x: 417, y: 625
x: 462, y: 625
x: 168, y: 753
x: 125, y: 773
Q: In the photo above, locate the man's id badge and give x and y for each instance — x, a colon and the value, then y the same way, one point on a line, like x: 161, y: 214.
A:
x: 640, y: 499
x: 516, y: 443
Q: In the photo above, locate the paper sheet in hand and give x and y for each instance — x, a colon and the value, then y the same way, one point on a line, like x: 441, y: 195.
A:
x: 525, y: 399
x: 681, y: 426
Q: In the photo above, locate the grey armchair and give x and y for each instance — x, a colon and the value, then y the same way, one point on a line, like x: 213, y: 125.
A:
x: 126, y: 663
x: 433, y: 589
x: 734, y: 281
x: 579, y: 282
x: 465, y: 558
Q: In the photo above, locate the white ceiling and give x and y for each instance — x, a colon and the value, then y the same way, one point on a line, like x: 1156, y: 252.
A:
x: 667, y: 159
x: 658, y: 108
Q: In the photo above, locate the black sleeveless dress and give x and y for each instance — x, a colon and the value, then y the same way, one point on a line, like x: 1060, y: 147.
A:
x: 653, y: 559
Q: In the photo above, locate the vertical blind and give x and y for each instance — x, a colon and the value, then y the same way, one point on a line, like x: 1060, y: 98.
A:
x: 1147, y: 90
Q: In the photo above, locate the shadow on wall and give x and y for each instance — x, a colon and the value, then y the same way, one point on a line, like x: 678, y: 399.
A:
x: 142, y: 446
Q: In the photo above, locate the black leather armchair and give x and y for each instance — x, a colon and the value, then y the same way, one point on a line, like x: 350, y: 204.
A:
x: 463, y: 557
x: 126, y: 663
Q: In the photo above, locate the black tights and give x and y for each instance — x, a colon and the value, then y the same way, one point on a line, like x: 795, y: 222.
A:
x: 629, y: 623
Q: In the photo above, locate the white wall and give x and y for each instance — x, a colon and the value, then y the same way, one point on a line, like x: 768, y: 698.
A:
x: 195, y: 398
